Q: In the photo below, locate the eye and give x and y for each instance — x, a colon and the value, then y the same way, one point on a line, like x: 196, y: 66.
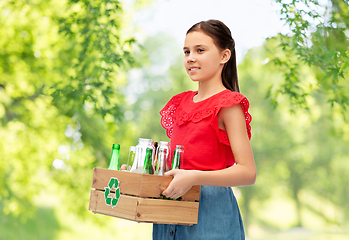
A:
x: 186, y: 52
x: 200, y: 50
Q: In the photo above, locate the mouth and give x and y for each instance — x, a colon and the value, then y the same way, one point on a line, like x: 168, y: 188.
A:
x: 193, y: 68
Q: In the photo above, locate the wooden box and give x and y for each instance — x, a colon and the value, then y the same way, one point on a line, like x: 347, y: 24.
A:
x: 134, y: 196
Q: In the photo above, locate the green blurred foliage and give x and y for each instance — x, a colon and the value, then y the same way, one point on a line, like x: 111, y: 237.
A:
x: 63, y: 66
x: 298, y: 151
x: 42, y: 226
x: 319, y: 38
x: 151, y: 86
x: 68, y: 77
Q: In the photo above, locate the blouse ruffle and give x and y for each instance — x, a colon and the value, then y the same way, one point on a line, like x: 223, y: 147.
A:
x: 173, y: 112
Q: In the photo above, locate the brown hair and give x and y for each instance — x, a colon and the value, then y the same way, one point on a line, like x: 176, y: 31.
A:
x: 222, y: 38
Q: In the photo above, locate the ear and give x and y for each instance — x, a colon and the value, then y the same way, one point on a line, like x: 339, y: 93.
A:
x: 226, y: 54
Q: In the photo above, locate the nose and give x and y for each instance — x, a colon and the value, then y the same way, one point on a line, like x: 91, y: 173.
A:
x: 190, y: 58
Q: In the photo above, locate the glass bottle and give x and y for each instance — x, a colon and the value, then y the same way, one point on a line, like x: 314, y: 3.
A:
x: 141, y: 149
x: 114, y: 158
x: 161, y: 157
x: 147, y: 167
x: 154, y: 158
x: 177, y: 156
x: 131, y: 157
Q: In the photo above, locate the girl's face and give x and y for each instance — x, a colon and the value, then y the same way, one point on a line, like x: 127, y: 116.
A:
x: 203, y: 60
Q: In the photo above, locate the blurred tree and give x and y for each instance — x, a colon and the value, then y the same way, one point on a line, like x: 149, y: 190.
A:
x: 297, y: 152
x: 318, y: 37
x: 62, y: 68
x: 152, y: 86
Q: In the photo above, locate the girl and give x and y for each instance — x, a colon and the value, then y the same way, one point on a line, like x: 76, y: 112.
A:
x: 213, y: 125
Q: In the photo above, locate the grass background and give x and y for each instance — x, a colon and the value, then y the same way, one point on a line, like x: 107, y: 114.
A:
x: 50, y: 223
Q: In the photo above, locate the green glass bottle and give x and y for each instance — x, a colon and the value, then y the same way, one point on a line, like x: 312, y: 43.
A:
x: 114, y: 158
x: 177, y: 155
x: 147, y: 167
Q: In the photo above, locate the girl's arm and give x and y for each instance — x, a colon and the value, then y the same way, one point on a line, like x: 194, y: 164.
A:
x: 241, y: 174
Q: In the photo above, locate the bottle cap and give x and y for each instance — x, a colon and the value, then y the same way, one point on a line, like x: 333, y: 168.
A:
x: 117, y: 146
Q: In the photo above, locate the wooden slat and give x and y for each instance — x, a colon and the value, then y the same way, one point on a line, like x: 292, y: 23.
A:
x: 126, y: 207
x: 167, y: 211
x: 193, y: 194
x: 153, y: 185
x: 136, y: 184
x: 146, y: 209
x: 129, y: 182
x: 93, y: 201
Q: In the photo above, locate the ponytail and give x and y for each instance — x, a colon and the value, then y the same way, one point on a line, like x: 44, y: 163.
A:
x: 230, y: 73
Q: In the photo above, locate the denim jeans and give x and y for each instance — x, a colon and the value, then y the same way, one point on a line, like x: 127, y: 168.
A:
x: 219, y: 218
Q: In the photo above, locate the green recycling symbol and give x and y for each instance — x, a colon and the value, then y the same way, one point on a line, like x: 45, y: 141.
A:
x: 109, y: 200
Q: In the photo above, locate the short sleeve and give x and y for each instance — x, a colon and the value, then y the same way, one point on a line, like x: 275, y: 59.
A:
x: 169, y: 111
x: 228, y: 100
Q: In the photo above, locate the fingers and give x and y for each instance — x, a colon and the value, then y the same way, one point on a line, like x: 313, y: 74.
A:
x: 168, y: 191
x: 171, y: 194
x: 123, y: 167
x: 169, y: 173
x: 179, y: 185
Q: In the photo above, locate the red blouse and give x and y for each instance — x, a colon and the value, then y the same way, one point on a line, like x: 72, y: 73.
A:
x: 195, y: 126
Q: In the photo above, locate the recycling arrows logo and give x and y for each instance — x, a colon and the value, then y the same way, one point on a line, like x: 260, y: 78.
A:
x: 112, y: 200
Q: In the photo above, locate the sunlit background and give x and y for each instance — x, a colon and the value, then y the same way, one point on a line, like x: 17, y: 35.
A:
x: 78, y: 76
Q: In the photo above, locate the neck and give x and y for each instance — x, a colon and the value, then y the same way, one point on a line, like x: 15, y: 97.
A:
x: 208, y: 89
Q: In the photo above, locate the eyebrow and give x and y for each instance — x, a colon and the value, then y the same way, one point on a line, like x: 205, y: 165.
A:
x: 196, y: 46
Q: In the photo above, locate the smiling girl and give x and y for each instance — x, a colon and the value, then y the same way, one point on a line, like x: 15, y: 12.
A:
x: 213, y: 124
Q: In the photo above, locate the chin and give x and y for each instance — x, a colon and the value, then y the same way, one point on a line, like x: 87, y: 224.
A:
x: 195, y: 80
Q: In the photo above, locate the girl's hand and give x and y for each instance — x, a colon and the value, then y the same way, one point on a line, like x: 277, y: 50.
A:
x: 123, y: 167
x: 182, y: 181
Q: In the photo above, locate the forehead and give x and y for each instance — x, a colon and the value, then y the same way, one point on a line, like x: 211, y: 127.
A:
x: 197, y: 38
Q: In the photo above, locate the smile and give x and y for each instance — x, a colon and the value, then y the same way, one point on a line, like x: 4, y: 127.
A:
x: 193, y: 68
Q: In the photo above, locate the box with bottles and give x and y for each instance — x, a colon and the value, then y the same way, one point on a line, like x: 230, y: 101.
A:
x: 135, y: 196
x: 134, y: 193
